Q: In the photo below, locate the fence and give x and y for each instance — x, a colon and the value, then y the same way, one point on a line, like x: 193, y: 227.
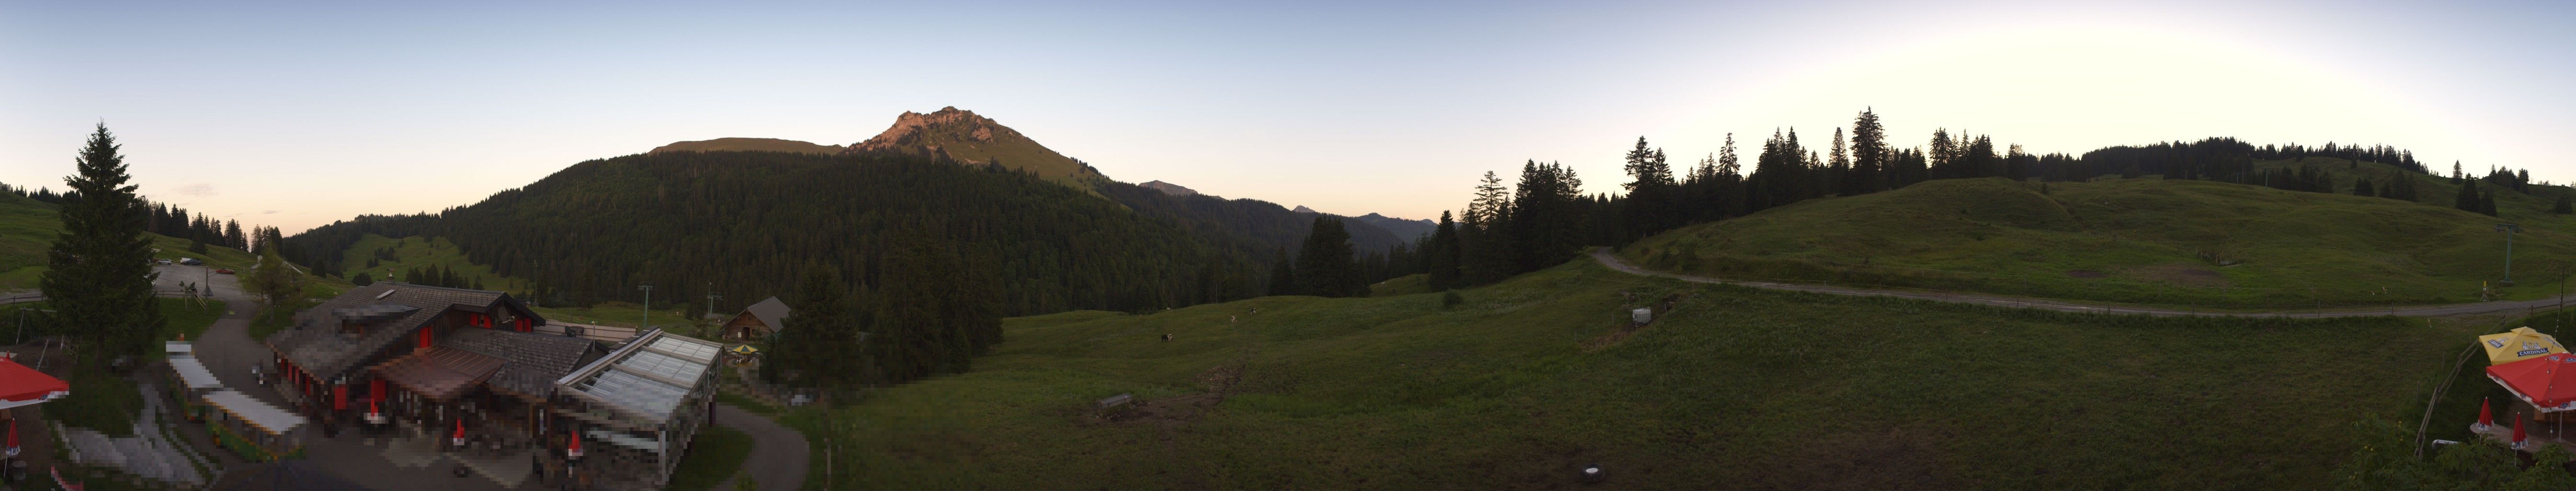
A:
x: 39, y: 297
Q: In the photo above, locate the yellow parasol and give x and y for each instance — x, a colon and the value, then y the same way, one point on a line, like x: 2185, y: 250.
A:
x: 2518, y: 344
x: 747, y: 349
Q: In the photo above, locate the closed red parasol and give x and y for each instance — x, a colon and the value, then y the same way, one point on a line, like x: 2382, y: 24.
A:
x: 2517, y: 431
x: 459, y: 439
x: 2486, y: 417
x: 575, y: 451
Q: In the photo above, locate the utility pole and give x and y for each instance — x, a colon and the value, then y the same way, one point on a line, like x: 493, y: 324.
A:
x: 647, y: 287
x: 712, y: 297
x: 2509, y: 230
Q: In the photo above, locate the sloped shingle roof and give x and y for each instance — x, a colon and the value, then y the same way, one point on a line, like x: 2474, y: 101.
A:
x: 316, y: 344
x: 535, y: 360
x: 771, y: 312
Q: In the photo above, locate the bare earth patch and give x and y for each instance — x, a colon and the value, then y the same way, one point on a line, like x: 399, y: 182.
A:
x: 2181, y: 274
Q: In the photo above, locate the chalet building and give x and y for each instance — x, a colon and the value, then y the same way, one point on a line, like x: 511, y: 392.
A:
x: 438, y: 362
x: 426, y: 359
x: 757, y: 321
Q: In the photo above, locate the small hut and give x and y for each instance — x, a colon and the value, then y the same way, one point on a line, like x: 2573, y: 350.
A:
x: 256, y: 430
x: 758, y: 321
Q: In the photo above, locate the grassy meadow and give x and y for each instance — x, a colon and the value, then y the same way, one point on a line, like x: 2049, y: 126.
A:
x: 2152, y: 241
x: 1735, y: 388
x: 28, y: 227
x: 416, y: 252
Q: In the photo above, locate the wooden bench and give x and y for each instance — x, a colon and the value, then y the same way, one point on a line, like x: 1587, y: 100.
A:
x: 1114, y: 401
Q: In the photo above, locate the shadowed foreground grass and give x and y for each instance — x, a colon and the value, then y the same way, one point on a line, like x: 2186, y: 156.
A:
x: 1737, y: 388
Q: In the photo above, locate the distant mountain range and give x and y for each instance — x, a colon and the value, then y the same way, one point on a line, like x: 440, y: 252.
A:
x: 1400, y: 227
x: 1406, y: 229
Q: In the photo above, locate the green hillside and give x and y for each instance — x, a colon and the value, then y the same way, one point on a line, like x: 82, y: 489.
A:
x: 2139, y: 241
x: 392, y: 257
x: 1533, y: 377
x: 749, y: 145
x: 28, y: 227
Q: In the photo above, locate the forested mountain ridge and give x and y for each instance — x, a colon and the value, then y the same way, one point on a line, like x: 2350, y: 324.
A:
x: 751, y: 223
x: 750, y: 144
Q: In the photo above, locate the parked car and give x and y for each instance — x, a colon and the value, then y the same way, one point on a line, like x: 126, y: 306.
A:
x: 191, y: 261
x: 165, y: 262
x: 223, y: 271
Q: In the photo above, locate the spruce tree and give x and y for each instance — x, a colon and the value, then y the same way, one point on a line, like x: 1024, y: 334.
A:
x: 1869, y: 154
x: 1650, y: 195
x: 1441, y: 254
x: 2361, y: 187
x: 820, y: 342
x: 1283, y: 275
x: 2467, y: 199
x: 1324, y: 265
x: 100, y: 267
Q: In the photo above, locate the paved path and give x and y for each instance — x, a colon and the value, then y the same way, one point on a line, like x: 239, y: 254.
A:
x: 1612, y: 260
x: 779, y: 454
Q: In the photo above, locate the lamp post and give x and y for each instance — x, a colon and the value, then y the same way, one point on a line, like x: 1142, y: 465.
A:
x: 2509, y: 230
x: 648, y: 306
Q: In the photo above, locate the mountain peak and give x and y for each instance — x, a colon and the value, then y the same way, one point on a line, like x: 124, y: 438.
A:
x: 969, y: 138
x: 1304, y: 209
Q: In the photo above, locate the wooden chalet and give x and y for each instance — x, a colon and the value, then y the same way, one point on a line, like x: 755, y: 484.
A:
x: 757, y: 321
x: 427, y: 359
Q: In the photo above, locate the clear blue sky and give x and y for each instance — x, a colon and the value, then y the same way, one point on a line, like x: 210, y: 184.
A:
x: 295, y: 115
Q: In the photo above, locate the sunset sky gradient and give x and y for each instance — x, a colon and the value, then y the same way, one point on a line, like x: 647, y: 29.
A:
x: 297, y: 114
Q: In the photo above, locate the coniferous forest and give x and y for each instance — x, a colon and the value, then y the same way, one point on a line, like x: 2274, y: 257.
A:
x: 753, y: 223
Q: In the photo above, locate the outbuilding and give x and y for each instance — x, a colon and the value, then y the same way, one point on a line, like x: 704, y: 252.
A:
x: 758, y: 321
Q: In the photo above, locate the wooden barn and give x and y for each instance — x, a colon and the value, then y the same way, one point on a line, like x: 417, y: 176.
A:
x: 758, y: 321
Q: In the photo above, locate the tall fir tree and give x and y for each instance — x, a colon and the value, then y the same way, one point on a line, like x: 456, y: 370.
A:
x: 1324, y: 266
x: 99, y: 272
x: 1650, y: 193
x: 1869, y: 153
x: 820, y: 344
x: 1441, y: 255
x: 1283, y: 275
x: 1839, y: 168
x: 1484, y: 235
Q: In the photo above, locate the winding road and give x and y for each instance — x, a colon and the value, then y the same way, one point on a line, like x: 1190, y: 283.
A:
x: 1613, y: 262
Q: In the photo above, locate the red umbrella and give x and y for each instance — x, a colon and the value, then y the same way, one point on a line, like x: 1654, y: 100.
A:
x: 2540, y: 381
x: 575, y: 452
x: 459, y: 439
x: 13, y: 438
x: 2486, y: 417
x: 2517, y: 430
x: 20, y: 386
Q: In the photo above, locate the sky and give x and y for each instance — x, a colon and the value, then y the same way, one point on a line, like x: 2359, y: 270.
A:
x: 298, y: 114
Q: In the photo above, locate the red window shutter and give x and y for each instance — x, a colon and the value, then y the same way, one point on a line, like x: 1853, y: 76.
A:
x: 425, y: 335
x: 378, y: 387
x: 340, y: 396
